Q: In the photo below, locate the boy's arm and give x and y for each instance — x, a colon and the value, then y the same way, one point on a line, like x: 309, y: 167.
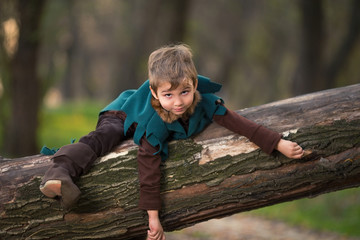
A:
x: 156, y: 231
x: 149, y: 177
x: 265, y: 138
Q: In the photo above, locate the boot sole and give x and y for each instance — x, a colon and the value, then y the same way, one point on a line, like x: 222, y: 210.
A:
x: 51, y: 188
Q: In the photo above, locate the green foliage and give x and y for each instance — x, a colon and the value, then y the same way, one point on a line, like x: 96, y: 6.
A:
x: 72, y: 120
x: 337, y: 212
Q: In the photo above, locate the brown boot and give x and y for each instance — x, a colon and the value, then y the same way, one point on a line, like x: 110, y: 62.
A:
x: 68, y: 163
x: 58, y: 183
x: 68, y: 192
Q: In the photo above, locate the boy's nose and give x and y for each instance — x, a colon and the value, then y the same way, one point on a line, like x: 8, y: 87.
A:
x: 178, y: 102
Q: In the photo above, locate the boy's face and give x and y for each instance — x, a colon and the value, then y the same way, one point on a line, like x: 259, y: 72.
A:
x: 177, y: 100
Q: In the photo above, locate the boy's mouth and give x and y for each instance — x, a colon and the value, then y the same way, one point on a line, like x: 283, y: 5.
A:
x: 178, y: 109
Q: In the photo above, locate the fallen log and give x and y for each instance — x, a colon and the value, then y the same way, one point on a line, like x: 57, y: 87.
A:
x: 213, y: 175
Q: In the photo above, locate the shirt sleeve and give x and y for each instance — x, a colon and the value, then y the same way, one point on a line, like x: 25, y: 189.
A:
x: 149, y: 176
x: 265, y: 138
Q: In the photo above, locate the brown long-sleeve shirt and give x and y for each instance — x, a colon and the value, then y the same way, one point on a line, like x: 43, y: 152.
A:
x: 149, y: 164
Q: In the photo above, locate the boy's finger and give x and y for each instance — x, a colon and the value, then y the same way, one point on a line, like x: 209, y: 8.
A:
x: 300, y: 154
x: 299, y: 151
x: 154, y: 234
x: 298, y: 147
x: 151, y: 235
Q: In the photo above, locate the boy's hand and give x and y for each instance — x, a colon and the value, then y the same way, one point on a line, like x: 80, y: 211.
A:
x: 156, y: 231
x: 290, y: 149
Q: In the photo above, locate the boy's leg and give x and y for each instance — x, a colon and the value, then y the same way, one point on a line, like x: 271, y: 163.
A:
x: 67, y: 162
x: 73, y: 160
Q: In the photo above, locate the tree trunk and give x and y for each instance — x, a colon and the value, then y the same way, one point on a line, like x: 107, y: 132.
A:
x: 178, y: 13
x: 309, y: 78
x: 346, y: 47
x: 213, y: 175
x: 24, y: 83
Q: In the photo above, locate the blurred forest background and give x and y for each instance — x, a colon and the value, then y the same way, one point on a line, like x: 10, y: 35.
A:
x: 61, y: 61
x: 55, y: 51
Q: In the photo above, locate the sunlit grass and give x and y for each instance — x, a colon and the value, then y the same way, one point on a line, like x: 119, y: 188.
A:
x: 69, y: 121
x: 337, y: 212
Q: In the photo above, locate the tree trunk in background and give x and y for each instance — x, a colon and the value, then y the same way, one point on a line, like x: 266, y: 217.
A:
x: 347, y: 46
x: 213, y: 175
x: 177, y: 19
x: 143, y: 19
x: 309, y: 74
x: 156, y: 23
x: 4, y: 74
x: 25, y: 85
x: 73, y: 85
x: 67, y: 88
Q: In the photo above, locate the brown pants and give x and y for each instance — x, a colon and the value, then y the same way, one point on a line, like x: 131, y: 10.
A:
x: 73, y: 160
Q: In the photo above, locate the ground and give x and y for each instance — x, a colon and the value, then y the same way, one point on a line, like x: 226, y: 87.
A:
x: 246, y: 227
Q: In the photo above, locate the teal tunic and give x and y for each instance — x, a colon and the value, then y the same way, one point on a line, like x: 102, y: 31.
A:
x: 137, y: 106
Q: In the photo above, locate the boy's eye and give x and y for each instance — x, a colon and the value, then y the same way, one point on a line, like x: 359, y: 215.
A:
x: 167, y: 95
x: 184, y: 92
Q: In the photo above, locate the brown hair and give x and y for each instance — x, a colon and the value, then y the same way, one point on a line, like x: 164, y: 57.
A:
x: 172, y: 64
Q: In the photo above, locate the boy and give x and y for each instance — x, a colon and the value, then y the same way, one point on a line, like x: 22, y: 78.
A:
x: 175, y: 103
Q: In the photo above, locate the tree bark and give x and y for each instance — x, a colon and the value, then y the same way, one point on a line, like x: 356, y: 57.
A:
x: 213, y: 175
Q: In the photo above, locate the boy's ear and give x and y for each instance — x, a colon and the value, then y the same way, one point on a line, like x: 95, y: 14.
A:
x: 196, y: 84
x: 153, y: 93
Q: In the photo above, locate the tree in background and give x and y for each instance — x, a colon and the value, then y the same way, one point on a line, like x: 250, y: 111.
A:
x: 308, y: 76
x: 243, y: 44
x: 347, y: 47
x: 22, y: 82
x: 315, y: 72
x: 153, y: 24
x: 164, y: 21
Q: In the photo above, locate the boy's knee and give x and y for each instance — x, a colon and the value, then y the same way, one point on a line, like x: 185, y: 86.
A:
x: 79, y: 155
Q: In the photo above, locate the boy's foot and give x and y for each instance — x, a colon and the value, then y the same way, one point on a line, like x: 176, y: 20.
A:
x: 51, y: 188
x: 67, y: 190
